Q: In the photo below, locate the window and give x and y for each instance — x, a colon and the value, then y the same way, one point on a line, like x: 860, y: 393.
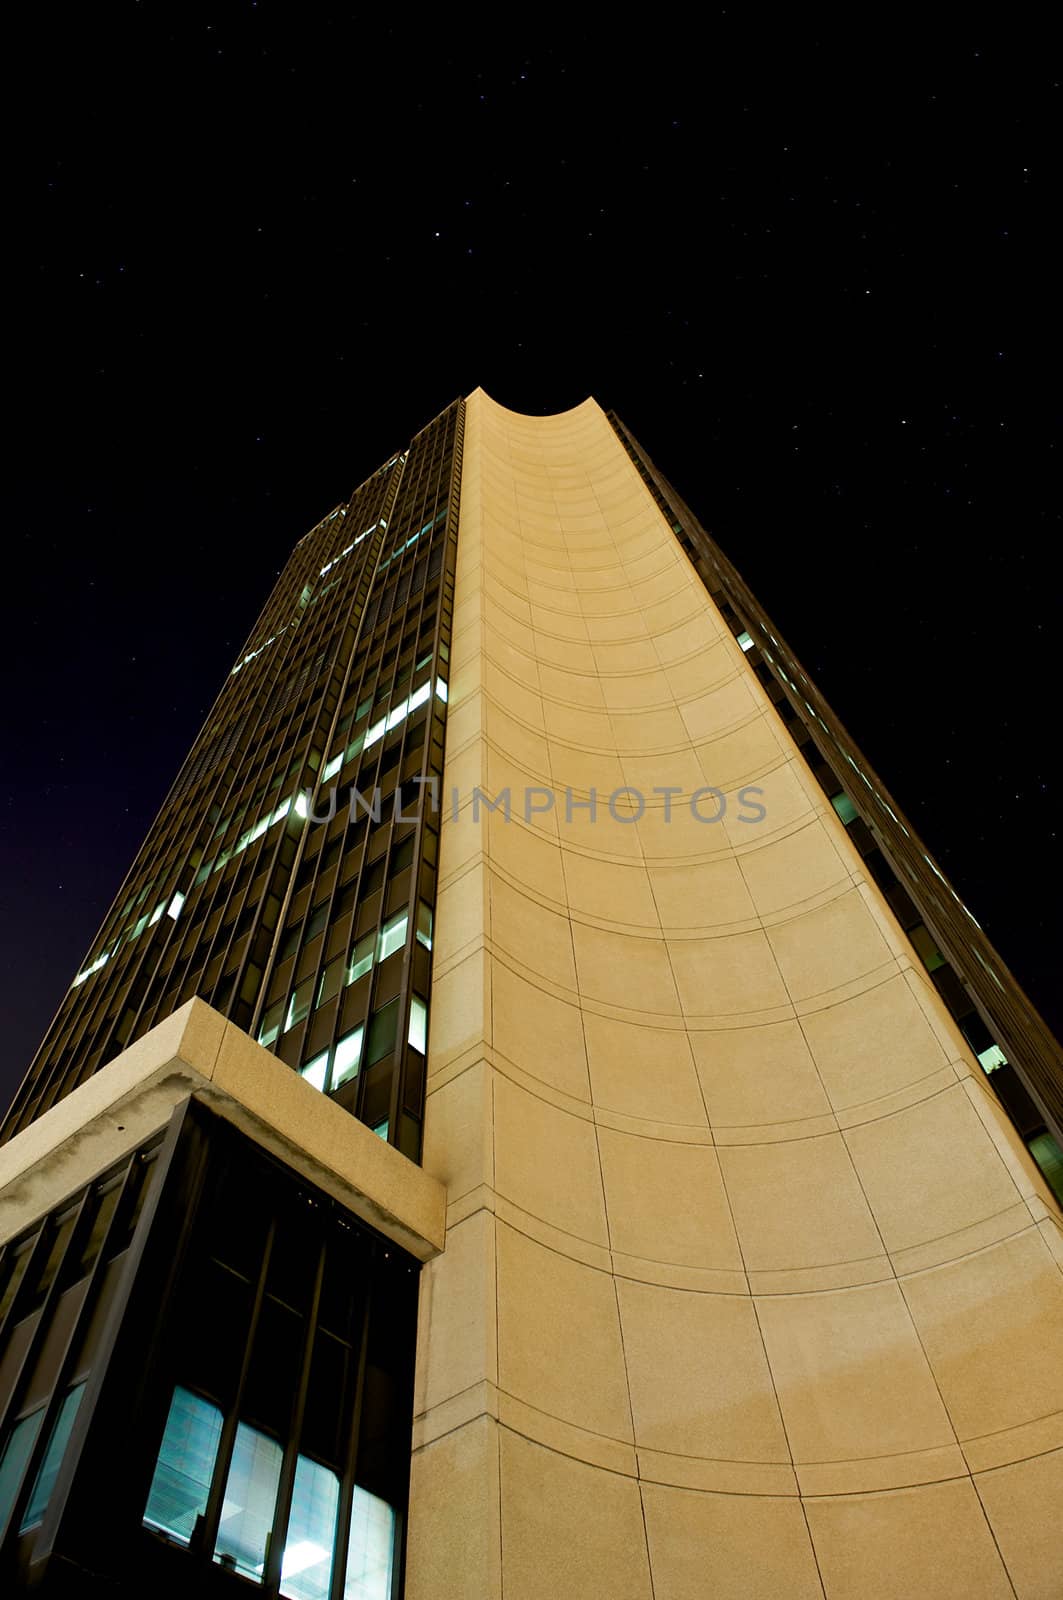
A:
x: 348, y: 1055
x: 306, y: 1571
x: 185, y: 1466
x: 1049, y: 1158
x: 361, y: 958
x: 392, y: 935
x: 928, y: 952
x: 744, y: 640
x: 299, y: 1004
x: 424, y: 925
x: 270, y: 1025
x: 383, y: 1030
x: 992, y: 1058
x: 53, y: 1458
x: 315, y: 1071
x: 331, y: 981
x: 371, y: 1547
x: 418, y: 1034
x: 250, y: 1499
x: 16, y: 1453
x: 844, y: 807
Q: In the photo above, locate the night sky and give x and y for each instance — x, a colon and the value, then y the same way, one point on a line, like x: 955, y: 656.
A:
x: 252, y: 248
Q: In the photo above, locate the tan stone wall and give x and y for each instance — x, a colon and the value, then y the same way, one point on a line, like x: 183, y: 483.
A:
x: 748, y: 1289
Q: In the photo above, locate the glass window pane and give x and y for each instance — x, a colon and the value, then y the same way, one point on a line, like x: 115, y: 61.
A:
x: 249, y: 1504
x: 53, y: 1457
x: 299, y: 1004
x: 331, y: 979
x: 361, y: 958
x: 424, y: 925
x: 270, y: 1025
x: 383, y: 1031
x: 418, y: 1035
x: 181, y: 1484
x: 370, y: 1549
x: 306, y: 1573
x: 844, y: 807
x: 16, y: 1453
x: 392, y: 935
x: 347, y: 1057
x: 314, y: 1072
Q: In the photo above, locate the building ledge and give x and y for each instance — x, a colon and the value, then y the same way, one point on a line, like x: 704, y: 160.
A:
x: 197, y: 1052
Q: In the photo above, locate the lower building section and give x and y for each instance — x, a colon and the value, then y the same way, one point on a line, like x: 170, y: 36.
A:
x: 206, y: 1369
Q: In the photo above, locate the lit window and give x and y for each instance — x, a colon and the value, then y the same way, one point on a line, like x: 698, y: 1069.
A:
x: 844, y: 807
x: 299, y: 1004
x: 744, y: 640
x: 418, y: 1034
x: 331, y: 979
x: 306, y: 1570
x: 185, y: 1466
x: 301, y: 806
x: 1049, y: 1158
x: 270, y: 1025
x: 371, y: 1547
x: 332, y: 768
x: 424, y: 925
x: 204, y: 872
x: 347, y: 1058
x: 53, y: 1457
x: 13, y: 1459
x: 375, y: 732
x: 392, y: 935
x: 174, y: 908
x: 992, y: 1058
x: 249, y: 1503
x: 381, y: 1131
x: 361, y: 958
x: 419, y: 696
x: 928, y: 952
x: 281, y: 811
x: 441, y: 690
x: 99, y: 961
x: 316, y: 1071
x: 157, y: 913
x: 396, y: 716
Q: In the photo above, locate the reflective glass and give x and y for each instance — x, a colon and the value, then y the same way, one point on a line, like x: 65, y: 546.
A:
x: 185, y: 1466
x: 249, y: 1504
x: 370, y: 1549
x: 306, y: 1572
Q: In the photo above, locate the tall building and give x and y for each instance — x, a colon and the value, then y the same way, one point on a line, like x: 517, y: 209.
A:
x: 535, y: 1120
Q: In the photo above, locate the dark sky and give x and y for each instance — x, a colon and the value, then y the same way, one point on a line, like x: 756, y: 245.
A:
x: 251, y: 248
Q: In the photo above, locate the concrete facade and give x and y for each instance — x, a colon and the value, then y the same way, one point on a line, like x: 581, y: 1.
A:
x: 749, y: 1288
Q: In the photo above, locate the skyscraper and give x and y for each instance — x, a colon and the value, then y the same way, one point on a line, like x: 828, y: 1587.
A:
x: 535, y: 1120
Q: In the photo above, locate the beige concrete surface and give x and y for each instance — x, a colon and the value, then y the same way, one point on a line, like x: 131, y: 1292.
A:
x: 747, y: 1290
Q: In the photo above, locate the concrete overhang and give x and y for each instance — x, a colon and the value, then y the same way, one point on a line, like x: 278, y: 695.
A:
x: 197, y: 1052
